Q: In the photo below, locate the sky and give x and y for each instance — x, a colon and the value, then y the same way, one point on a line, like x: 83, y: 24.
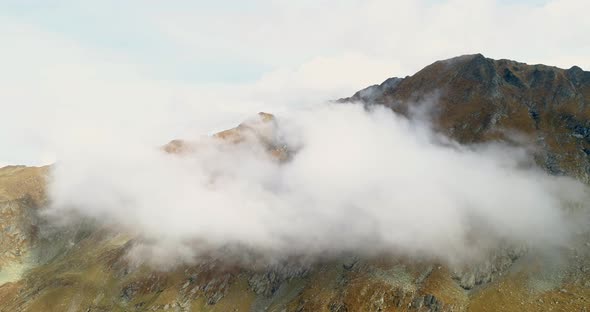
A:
x: 83, y: 72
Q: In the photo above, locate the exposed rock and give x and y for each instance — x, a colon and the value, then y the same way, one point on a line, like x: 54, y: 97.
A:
x: 488, y: 269
x: 265, y: 283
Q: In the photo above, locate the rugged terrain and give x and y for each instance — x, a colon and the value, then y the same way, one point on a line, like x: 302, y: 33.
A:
x: 470, y: 98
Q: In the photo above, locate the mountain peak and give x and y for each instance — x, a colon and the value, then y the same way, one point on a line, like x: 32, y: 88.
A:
x: 477, y: 99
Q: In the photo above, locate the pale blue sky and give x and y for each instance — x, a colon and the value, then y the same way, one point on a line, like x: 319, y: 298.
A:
x: 120, y: 27
x: 117, y: 26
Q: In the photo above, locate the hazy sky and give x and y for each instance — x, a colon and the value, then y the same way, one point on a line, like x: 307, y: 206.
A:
x: 83, y: 71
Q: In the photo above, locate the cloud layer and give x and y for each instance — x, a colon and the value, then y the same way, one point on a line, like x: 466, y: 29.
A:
x: 357, y: 181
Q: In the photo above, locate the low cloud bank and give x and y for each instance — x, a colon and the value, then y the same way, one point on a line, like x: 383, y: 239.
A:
x: 356, y: 180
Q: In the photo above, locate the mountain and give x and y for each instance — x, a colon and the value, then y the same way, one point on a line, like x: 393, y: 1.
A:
x: 471, y: 98
x: 479, y: 99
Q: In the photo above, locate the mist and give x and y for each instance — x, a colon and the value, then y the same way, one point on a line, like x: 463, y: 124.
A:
x: 354, y: 180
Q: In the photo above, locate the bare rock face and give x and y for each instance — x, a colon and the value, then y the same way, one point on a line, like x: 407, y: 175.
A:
x: 492, y: 267
x: 261, y: 129
x: 470, y: 98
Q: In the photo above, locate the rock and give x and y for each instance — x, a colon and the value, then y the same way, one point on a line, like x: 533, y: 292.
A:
x: 265, y: 283
x: 215, y: 298
x: 349, y: 262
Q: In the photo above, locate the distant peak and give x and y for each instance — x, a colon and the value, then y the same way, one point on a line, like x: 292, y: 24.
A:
x: 266, y: 116
x: 575, y: 69
x: 464, y: 58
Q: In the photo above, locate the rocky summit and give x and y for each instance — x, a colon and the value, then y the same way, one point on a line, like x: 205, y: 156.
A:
x: 475, y: 99
x: 472, y: 99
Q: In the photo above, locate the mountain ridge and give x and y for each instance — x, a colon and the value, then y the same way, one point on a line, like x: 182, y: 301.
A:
x: 477, y: 99
x: 474, y: 100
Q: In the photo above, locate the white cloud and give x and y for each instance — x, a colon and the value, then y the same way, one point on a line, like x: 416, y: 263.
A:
x: 368, y: 182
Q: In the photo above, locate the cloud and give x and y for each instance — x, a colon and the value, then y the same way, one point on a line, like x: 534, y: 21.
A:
x: 72, y: 94
x: 78, y: 80
x: 60, y: 95
x: 412, y: 33
x: 357, y: 181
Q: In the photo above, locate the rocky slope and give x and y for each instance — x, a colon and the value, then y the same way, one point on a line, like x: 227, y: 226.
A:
x: 474, y: 99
